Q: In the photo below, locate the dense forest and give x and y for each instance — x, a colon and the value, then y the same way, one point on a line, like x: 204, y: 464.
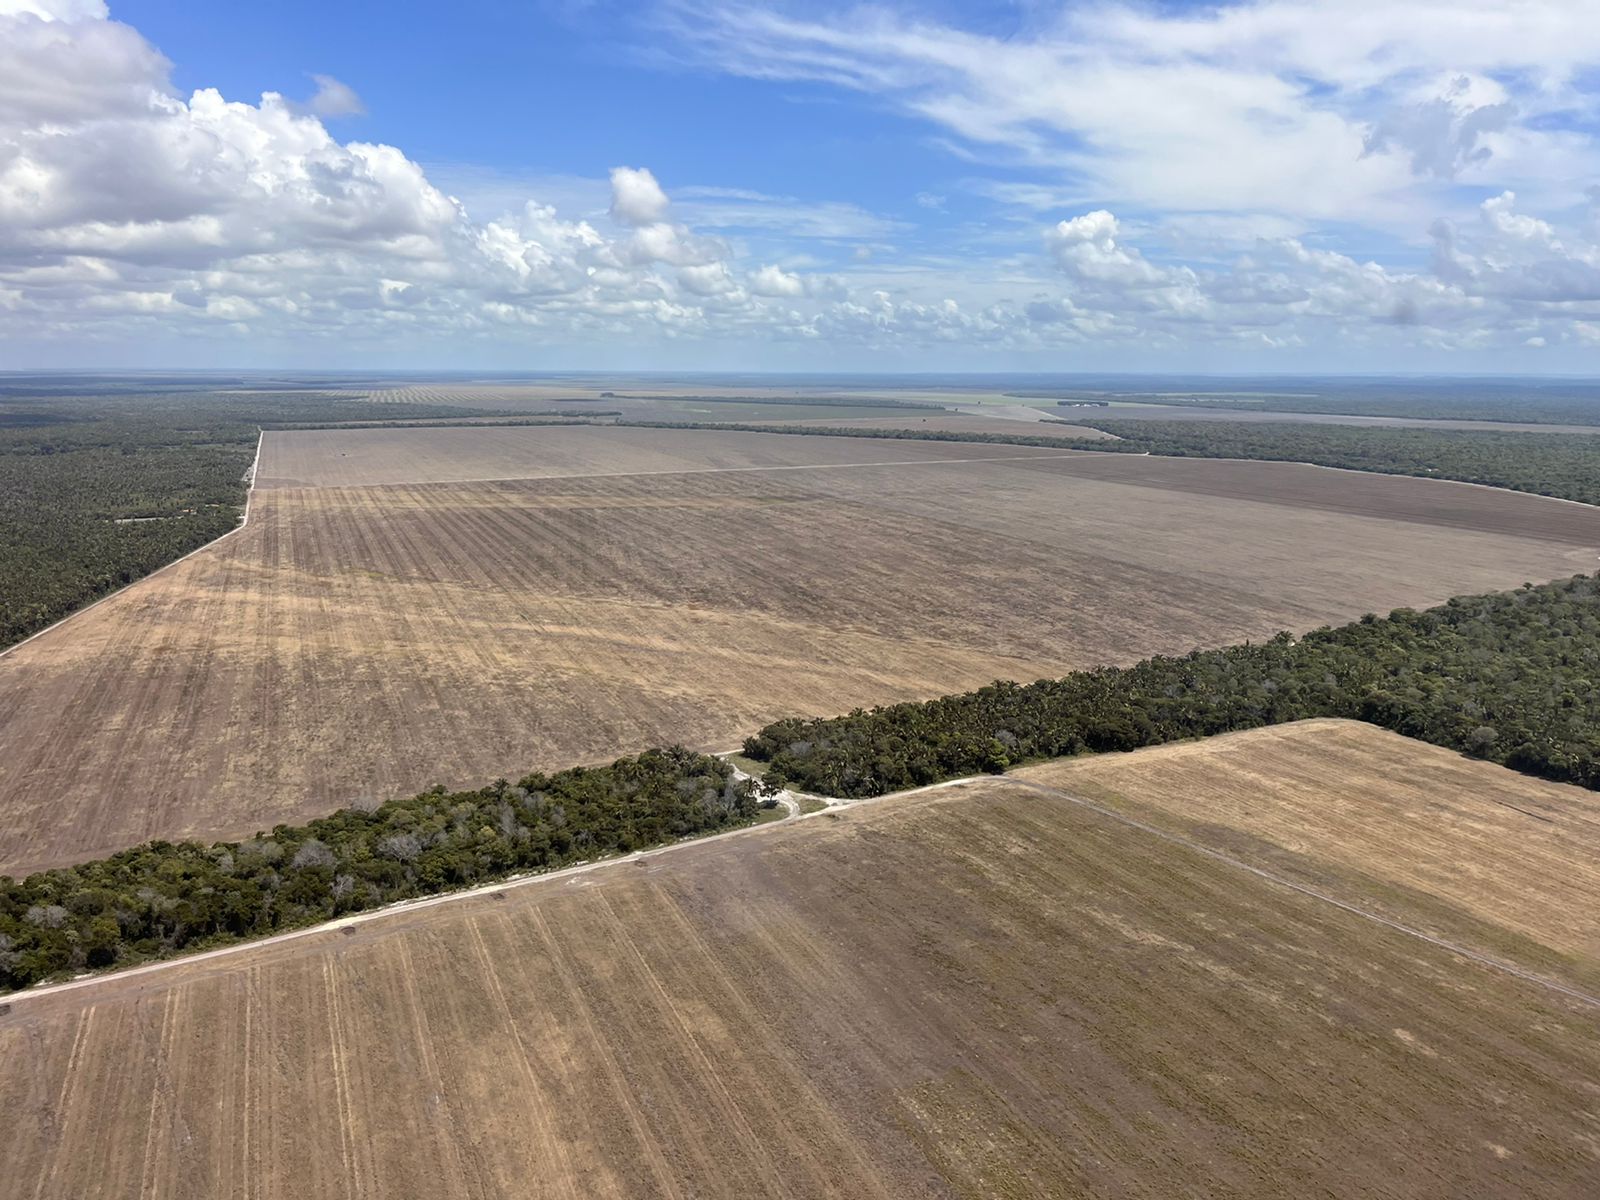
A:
x: 162, y: 898
x: 97, y: 491
x: 1548, y: 464
x: 1510, y: 677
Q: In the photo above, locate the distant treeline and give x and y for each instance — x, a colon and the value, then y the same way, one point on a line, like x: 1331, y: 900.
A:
x: 1511, y: 677
x: 1548, y: 464
x: 98, y: 491
x: 1534, y: 402
x: 163, y: 898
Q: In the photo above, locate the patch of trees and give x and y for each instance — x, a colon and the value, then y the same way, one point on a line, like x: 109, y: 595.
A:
x: 1511, y: 677
x: 163, y: 898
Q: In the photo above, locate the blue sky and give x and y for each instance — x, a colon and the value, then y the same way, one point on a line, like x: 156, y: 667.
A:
x: 1272, y: 185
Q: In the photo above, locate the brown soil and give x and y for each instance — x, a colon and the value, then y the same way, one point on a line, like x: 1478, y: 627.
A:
x: 356, y: 643
x: 1410, y: 830
x: 981, y: 991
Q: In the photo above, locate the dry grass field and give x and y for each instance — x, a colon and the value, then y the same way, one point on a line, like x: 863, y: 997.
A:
x: 981, y: 991
x: 370, y: 633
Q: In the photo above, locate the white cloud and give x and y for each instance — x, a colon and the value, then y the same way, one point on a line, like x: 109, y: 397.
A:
x: 128, y: 209
x: 334, y: 99
x: 1357, y: 110
x: 774, y: 281
x: 636, y: 197
x: 1086, y: 249
x: 1492, y: 279
x: 54, y: 10
x: 1215, y: 145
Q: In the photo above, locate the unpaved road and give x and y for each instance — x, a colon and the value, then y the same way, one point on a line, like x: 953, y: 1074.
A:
x: 790, y: 803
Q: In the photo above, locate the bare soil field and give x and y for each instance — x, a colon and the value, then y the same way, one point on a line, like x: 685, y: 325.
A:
x: 366, y: 457
x: 986, y: 990
x: 354, y: 643
x: 1408, y: 829
x: 1441, y: 502
x: 955, y: 422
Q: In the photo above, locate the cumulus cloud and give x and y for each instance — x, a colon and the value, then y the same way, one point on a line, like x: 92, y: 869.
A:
x: 132, y: 210
x: 1491, y: 280
x: 1086, y: 248
x: 636, y: 197
x: 775, y: 281
x: 127, y: 206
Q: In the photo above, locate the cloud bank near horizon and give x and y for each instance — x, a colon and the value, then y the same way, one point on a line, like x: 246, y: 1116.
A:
x: 1161, y: 185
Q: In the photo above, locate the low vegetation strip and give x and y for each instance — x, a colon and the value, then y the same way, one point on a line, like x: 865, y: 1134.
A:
x: 1566, y: 467
x: 1508, y: 677
x: 163, y: 898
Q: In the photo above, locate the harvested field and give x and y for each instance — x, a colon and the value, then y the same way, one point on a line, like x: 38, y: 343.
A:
x: 979, y: 991
x: 359, y: 642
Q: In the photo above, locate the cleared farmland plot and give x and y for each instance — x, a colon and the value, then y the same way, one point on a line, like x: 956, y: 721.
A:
x: 1480, y: 855
x: 988, y: 990
x: 369, y: 637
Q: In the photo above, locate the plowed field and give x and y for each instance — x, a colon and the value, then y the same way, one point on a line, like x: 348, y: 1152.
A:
x: 373, y: 630
x: 986, y: 990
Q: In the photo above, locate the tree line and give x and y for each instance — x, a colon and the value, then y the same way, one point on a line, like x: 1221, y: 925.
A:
x: 163, y: 898
x: 1510, y: 677
x: 1525, y: 401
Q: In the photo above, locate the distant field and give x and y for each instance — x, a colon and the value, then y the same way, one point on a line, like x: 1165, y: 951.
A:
x: 955, y: 422
x: 1191, y: 412
x: 371, y: 633
x: 982, y: 991
x: 365, y: 457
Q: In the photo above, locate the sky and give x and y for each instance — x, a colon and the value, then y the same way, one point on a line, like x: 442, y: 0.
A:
x: 1269, y: 186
